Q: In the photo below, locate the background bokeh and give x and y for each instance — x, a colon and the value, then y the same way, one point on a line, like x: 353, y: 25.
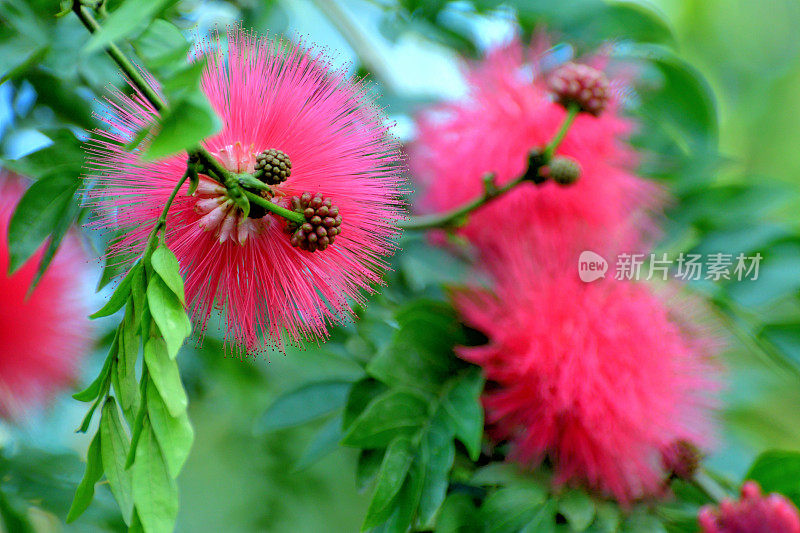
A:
x: 735, y: 183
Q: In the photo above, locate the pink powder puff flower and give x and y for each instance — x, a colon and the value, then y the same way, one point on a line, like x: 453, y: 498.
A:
x: 597, y: 377
x: 753, y: 513
x: 509, y: 112
x: 42, y: 336
x: 270, y: 96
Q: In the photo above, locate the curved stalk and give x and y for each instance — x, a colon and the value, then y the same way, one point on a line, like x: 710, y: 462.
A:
x: 536, y: 161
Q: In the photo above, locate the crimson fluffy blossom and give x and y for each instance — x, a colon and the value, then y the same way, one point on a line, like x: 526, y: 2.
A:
x: 42, y: 336
x: 510, y: 111
x: 753, y: 513
x: 598, y: 378
x: 281, y: 99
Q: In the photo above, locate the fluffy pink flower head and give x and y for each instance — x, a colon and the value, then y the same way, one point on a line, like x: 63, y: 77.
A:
x: 42, y: 336
x: 753, y: 513
x: 509, y: 112
x: 599, y: 377
x: 270, y: 96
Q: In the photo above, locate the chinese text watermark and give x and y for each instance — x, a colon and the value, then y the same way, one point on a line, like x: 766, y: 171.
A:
x: 662, y: 266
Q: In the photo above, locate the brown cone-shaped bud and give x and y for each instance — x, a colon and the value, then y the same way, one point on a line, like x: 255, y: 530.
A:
x: 272, y: 167
x: 563, y: 170
x: 681, y: 459
x: 583, y: 85
x: 322, y: 222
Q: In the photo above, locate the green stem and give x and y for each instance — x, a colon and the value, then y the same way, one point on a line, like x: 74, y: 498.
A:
x: 490, y: 190
x: 161, y: 223
x: 550, y: 150
x: 706, y: 484
x: 119, y: 58
x: 453, y: 216
x: 210, y: 163
x: 278, y: 210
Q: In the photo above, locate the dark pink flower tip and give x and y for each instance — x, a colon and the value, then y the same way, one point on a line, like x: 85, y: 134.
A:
x: 598, y: 377
x: 42, y: 337
x: 681, y: 459
x: 581, y: 85
x: 509, y: 112
x: 280, y: 104
x: 753, y: 513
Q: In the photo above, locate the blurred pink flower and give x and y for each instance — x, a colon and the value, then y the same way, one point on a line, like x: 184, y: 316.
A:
x: 753, y: 513
x: 270, y: 95
x: 597, y: 377
x: 509, y: 112
x: 44, y: 336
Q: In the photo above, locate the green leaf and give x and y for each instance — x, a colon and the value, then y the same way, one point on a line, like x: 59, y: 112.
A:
x: 42, y: 210
x: 458, y: 515
x: 184, y: 81
x: 578, y: 508
x: 495, y: 474
x: 592, y: 22
x: 169, y: 315
x: 420, y: 354
x: 304, y: 404
x: 62, y: 158
x: 369, y: 462
x: 138, y: 423
x: 155, y: 493
x: 361, y: 394
x: 94, y: 471
x: 25, y: 40
x: 126, y: 385
x: 778, y: 471
x: 608, y: 517
x: 120, y: 295
x: 136, y: 524
x: 115, y: 265
x: 683, y: 106
x: 123, y: 21
x: 392, y: 474
x: 174, y: 434
x: 511, y: 508
x: 461, y: 402
x: 325, y: 441
x: 544, y: 521
x: 161, y: 44
x: 60, y: 95
x: 407, y: 500
x: 87, y: 420
x: 115, y: 447
x: 166, y: 266
x: 630, y: 20
x: 59, y: 231
x: 641, y: 522
x: 12, y: 519
x: 91, y: 392
x: 165, y: 376
x: 392, y: 414
x: 184, y: 125
x: 139, y: 294
x: 437, y: 454
x: 17, y: 56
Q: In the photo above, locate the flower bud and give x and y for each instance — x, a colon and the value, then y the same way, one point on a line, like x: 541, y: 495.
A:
x: 583, y: 85
x: 563, y: 170
x: 681, y: 459
x: 322, y: 222
x: 272, y: 167
x: 753, y: 512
